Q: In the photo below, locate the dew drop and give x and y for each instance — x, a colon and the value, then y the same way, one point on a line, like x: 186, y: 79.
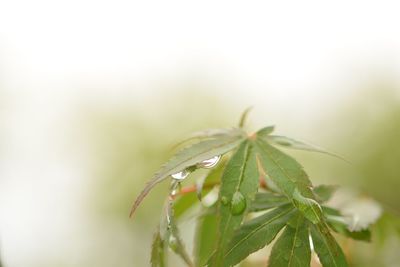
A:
x: 180, y: 175
x: 174, y: 192
x: 175, y: 186
x: 224, y: 201
x: 209, y: 163
x: 238, y: 203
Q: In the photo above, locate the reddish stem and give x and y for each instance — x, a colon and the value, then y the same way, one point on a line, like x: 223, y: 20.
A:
x: 192, y: 188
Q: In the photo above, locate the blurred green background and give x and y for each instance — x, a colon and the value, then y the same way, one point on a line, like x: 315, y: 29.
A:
x: 127, y: 147
x: 119, y: 149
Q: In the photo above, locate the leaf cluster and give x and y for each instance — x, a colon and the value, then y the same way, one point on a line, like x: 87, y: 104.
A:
x: 264, y: 195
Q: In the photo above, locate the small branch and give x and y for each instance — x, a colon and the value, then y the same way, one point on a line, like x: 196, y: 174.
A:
x: 192, y: 189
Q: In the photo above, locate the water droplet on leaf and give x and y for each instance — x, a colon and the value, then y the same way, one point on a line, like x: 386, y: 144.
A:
x: 209, y: 163
x: 238, y: 203
x: 180, y: 175
x: 224, y: 201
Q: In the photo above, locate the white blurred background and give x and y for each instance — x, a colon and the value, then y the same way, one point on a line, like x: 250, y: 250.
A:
x: 294, y: 61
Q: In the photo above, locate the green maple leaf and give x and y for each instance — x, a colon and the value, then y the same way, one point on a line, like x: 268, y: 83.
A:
x: 292, y: 249
x: 288, y: 175
x: 239, y: 184
x: 256, y: 233
x: 329, y: 252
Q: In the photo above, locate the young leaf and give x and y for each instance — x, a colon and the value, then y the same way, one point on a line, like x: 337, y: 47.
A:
x: 239, y: 184
x: 187, y: 157
x: 267, y: 200
x: 329, y: 252
x: 295, y: 144
x: 256, y: 233
x: 292, y: 249
x: 288, y: 175
x: 243, y: 118
x: 157, y: 251
x: 205, y: 239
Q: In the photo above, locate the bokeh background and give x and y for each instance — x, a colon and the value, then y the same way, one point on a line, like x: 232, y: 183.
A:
x: 94, y: 93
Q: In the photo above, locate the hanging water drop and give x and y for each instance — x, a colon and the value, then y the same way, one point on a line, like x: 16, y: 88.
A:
x: 174, y: 188
x: 181, y: 175
x: 173, y: 192
x: 209, y: 163
x: 238, y: 203
x: 173, y: 243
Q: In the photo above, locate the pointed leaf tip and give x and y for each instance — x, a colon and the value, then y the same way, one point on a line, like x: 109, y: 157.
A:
x: 329, y: 252
x: 266, y: 131
x: 244, y: 116
x: 299, y: 145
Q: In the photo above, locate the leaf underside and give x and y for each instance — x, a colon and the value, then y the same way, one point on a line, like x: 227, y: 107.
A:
x: 187, y: 157
x: 212, y: 133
